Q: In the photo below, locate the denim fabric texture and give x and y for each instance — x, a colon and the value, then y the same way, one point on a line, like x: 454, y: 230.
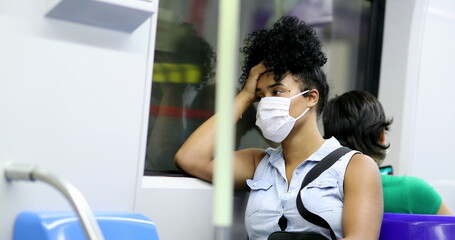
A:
x: 270, y: 197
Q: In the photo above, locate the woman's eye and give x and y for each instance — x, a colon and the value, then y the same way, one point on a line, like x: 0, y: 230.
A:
x: 277, y: 92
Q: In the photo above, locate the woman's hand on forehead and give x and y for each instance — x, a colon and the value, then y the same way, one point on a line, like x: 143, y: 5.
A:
x: 251, y: 84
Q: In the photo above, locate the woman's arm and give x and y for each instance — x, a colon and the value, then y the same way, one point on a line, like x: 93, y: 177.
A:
x: 197, y: 153
x: 444, y: 210
x: 363, y: 201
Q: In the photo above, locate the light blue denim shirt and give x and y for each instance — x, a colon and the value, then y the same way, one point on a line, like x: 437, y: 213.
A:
x: 270, y: 197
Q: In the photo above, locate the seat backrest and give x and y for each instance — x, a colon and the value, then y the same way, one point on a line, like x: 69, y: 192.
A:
x: 417, y: 226
x: 51, y: 226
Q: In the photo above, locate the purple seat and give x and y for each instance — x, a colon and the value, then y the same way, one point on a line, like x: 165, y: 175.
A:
x: 417, y: 226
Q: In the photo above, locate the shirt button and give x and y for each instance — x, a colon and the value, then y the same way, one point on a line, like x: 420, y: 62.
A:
x: 255, y: 184
x: 297, y: 171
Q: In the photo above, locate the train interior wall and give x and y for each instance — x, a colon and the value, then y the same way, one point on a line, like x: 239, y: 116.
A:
x: 74, y: 100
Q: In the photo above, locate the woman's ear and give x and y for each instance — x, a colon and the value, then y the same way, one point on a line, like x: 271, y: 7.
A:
x: 313, y: 98
x: 382, y: 137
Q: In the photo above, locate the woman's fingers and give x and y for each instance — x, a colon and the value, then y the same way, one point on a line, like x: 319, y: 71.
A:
x: 255, y: 74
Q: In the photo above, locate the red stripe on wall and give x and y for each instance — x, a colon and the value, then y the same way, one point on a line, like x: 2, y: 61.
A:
x: 168, y: 111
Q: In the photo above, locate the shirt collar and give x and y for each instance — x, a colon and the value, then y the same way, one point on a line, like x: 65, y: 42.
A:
x: 276, y: 154
x: 327, y: 147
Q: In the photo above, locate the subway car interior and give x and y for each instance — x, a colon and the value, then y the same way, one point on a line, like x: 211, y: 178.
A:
x: 97, y: 97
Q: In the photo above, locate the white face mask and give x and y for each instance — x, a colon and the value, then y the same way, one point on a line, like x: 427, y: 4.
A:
x: 273, y: 117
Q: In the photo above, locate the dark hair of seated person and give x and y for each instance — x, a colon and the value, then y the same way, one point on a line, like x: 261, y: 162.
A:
x: 357, y: 120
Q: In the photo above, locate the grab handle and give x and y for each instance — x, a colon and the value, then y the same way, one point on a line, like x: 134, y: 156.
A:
x: 29, y: 172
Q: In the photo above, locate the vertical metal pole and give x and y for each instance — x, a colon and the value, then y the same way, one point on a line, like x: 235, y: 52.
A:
x: 279, y: 10
x: 228, y: 25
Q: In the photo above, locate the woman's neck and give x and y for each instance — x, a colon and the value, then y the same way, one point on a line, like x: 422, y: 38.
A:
x: 302, y: 142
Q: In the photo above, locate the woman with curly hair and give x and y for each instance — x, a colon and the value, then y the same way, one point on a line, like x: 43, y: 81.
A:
x: 283, y: 71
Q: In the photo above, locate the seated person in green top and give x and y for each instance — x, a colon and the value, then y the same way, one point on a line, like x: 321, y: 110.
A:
x: 357, y: 120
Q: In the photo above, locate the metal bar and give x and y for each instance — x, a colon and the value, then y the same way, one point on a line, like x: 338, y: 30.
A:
x: 228, y: 26
x: 31, y: 173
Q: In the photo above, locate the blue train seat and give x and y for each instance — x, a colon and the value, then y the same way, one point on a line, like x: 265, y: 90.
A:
x: 417, y: 226
x: 65, y: 225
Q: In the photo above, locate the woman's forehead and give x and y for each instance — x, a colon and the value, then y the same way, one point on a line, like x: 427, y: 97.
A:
x: 267, y: 80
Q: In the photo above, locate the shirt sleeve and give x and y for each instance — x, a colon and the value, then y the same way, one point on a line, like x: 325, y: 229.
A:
x: 423, y: 198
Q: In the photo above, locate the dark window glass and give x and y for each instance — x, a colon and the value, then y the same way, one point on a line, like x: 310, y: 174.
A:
x: 183, y: 88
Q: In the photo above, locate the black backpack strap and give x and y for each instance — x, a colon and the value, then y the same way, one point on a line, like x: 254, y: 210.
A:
x: 323, y: 165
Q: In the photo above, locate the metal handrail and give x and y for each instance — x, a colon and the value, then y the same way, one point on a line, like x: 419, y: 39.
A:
x: 29, y: 172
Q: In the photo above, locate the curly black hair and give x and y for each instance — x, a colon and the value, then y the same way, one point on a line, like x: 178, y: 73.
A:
x: 357, y: 120
x: 290, y: 46
x: 192, y: 48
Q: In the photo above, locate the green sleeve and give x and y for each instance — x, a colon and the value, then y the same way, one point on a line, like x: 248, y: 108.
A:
x: 395, y: 194
x: 406, y: 194
x: 423, y: 198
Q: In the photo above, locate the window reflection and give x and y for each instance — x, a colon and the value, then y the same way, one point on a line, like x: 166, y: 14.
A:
x: 183, y: 87
x: 183, y: 82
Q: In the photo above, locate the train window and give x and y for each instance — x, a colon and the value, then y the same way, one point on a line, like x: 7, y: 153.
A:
x: 183, y: 82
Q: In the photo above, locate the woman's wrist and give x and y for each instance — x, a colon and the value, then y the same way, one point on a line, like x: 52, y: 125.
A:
x: 246, y: 97
x: 242, y: 101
